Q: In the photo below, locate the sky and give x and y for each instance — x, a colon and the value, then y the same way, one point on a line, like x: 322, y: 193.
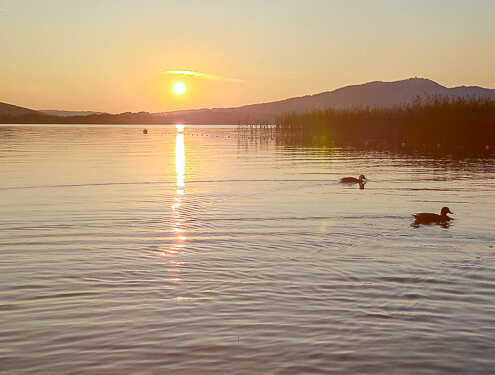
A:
x: 126, y: 55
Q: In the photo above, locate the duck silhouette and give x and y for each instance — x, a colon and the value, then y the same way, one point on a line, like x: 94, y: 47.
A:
x: 429, y: 218
x: 353, y: 180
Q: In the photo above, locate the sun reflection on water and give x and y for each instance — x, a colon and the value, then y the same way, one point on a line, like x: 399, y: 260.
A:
x: 178, y: 219
x: 180, y: 159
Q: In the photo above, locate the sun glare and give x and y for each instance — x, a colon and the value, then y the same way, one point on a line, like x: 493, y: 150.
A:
x: 179, y: 88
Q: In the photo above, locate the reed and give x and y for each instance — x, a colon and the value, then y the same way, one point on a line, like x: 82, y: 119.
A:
x: 432, y: 122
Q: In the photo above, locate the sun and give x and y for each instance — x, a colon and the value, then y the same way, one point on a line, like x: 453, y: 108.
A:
x: 179, y: 88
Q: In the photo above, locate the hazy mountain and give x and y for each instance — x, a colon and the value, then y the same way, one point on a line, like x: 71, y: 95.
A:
x: 14, y: 110
x: 379, y: 94
x: 373, y: 94
x: 55, y: 112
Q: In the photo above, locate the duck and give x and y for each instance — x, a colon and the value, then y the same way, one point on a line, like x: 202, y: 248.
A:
x: 429, y: 218
x: 353, y: 180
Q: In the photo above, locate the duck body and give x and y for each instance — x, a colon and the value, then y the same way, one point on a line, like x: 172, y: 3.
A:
x: 429, y: 218
x: 353, y: 180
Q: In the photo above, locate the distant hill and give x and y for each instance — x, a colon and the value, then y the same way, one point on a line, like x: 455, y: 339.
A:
x: 373, y: 94
x: 55, y: 112
x: 14, y: 110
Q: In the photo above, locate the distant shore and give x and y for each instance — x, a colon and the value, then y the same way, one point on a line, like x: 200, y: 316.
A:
x: 435, y: 123
x: 105, y: 118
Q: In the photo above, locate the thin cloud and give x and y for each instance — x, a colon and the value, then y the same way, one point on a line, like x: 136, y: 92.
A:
x: 195, y: 74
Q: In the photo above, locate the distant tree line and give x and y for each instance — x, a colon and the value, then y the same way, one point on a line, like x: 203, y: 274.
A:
x: 203, y: 117
x: 104, y: 118
x: 434, y: 122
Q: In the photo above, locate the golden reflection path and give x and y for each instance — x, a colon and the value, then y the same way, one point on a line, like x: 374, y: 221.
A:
x: 178, y: 219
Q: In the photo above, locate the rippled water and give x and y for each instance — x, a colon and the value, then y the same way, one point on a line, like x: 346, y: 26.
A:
x: 208, y: 253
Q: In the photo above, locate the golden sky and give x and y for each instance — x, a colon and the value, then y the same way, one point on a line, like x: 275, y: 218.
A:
x: 126, y: 55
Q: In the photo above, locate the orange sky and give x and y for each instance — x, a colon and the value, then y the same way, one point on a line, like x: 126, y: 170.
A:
x: 114, y: 55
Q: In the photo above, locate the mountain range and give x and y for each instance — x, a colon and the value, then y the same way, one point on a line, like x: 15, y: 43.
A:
x: 373, y: 94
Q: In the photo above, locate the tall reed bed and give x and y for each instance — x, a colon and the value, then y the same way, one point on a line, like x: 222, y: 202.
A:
x: 433, y: 122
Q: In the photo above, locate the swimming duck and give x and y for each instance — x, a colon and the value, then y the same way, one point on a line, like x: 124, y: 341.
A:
x: 353, y: 180
x: 429, y: 218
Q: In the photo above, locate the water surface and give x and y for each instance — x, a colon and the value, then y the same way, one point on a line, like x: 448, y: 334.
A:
x: 218, y: 252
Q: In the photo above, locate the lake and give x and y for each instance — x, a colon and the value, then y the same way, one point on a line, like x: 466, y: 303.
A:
x: 215, y: 251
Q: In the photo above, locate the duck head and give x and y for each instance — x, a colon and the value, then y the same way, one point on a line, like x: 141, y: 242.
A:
x: 445, y: 211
